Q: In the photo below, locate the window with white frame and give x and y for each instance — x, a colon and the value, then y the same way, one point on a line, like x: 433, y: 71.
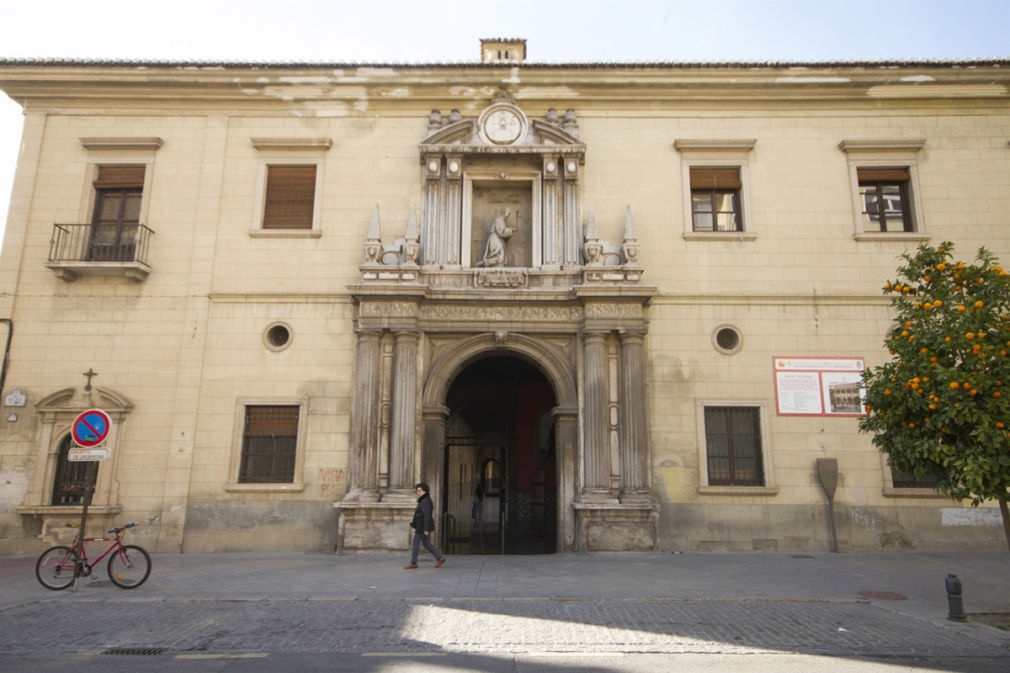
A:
x: 885, y: 196
x: 734, y: 451
x: 289, y: 186
x: 715, y: 187
x: 269, y: 446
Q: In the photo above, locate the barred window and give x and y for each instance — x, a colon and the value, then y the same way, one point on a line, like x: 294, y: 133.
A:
x: 269, y: 444
x: 733, y: 444
x: 72, y: 479
x: 907, y: 480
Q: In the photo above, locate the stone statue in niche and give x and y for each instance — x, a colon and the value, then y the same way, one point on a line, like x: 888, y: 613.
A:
x: 500, y: 232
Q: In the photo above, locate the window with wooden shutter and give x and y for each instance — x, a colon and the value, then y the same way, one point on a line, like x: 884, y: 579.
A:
x: 290, y: 197
x: 884, y: 197
x: 715, y: 199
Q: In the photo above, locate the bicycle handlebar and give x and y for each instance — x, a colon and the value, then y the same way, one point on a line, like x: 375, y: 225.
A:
x: 121, y: 528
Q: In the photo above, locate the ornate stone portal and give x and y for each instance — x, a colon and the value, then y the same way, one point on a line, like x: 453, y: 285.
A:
x: 501, y: 265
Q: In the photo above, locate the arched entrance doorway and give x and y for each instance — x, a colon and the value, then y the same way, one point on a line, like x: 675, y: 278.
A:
x: 500, y: 468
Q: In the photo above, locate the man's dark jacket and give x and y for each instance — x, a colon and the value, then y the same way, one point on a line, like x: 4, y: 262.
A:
x: 423, y: 517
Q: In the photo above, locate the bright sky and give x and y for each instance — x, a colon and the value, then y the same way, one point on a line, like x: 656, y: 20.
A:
x: 373, y: 31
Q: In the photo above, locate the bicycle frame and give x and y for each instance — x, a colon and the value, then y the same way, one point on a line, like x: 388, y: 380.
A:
x: 117, y: 544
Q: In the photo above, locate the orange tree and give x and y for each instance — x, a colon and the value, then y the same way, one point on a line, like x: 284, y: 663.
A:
x: 941, y: 406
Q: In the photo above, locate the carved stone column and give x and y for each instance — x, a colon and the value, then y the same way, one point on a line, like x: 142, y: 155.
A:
x: 596, y: 444
x: 364, y: 420
x: 453, y: 210
x: 572, y: 226
x: 401, y: 449
x: 550, y: 222
x: 432, y: 212
x: 634, y: 443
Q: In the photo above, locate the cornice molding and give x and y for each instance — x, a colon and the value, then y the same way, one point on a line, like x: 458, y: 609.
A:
x: 882, y: 145
x: 292, y: 144
x: 152, y: 143
x: 715, y: 145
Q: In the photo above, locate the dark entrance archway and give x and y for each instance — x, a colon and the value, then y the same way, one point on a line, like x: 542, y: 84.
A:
x: 500, y: 480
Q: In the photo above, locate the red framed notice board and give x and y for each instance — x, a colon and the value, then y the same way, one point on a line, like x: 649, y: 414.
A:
x: 812, y: 386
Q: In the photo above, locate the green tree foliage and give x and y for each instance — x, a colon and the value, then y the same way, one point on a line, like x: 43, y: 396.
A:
x: 941, y: 407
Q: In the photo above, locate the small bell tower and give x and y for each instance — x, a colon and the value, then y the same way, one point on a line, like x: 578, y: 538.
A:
x: 502, y: 50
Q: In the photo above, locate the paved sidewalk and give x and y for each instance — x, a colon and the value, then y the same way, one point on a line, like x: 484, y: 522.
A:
x: 841, y: 605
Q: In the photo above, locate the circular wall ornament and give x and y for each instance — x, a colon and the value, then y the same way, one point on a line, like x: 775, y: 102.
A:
x: 727, y: 339
x: 502, y: 124
x: 277, y: 336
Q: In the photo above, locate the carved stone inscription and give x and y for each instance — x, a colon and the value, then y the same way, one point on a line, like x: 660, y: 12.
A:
x: 500, y: 278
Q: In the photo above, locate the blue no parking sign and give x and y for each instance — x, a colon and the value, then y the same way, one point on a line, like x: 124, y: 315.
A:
x: 91, y: 428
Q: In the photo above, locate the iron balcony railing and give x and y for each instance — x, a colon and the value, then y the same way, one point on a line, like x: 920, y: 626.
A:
x: 100, y: 243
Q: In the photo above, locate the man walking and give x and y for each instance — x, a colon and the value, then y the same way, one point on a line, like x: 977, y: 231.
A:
x: 423, y: 525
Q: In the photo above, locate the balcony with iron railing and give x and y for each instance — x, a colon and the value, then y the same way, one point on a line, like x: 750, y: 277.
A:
x: 100, y: 250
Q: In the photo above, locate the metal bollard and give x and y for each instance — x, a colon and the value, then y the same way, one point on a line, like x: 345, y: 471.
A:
x: 956, y: 612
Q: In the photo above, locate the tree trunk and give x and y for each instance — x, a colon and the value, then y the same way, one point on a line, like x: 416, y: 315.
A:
x: 1006, y: 521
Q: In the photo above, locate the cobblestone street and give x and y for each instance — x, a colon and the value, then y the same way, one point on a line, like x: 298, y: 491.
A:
x: 480, y: 626
x: 596, y: 613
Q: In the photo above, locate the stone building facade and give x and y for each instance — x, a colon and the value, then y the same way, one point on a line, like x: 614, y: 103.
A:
x: 595, y: 306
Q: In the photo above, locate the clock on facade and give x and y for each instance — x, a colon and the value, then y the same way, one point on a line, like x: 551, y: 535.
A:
x: 503, y: 126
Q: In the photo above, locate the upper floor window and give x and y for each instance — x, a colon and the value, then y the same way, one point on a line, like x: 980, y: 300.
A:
x: 885, y: 199
x: 290, y: 197
x: 883, y: 194
x: 289, y: 186
x: 715, y: 184
x: 715, y: 199
x: 116, y: 217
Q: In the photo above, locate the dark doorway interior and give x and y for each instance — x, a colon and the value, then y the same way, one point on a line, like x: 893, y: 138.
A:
x: 500, y: 494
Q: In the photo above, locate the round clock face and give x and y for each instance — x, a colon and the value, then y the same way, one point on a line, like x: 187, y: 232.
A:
x: 503, y: 126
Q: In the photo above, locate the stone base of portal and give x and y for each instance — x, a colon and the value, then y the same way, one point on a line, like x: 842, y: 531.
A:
x: 616, y: 526
x: 374, y: 526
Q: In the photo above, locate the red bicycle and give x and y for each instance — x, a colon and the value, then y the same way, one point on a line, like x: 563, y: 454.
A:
x: 128, y: 566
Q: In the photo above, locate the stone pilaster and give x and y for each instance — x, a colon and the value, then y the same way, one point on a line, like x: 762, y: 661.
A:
x: 431, y: 212
x: 401, y: 448
x: 572, y: 226
x: 566, y: 442
x: 453, y: 221
x: 364, y: 420
x: 550, y: 222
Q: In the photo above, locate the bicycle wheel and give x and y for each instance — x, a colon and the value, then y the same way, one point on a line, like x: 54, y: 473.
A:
x: 55, y: 568
x: 129, y: 566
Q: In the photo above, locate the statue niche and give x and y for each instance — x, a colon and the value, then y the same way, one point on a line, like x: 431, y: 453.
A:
x: 501, y: 234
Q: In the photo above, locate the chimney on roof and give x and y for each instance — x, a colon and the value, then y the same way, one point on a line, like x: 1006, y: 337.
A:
x: 502, y: 50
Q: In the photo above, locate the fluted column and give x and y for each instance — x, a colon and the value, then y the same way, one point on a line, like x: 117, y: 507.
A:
x: 634, y: 443
x: 431, y: 213
x: 596, y: 446
x: 364, y: 419
x: 549, y: 222
x: 453, y: 221
x: 572, y: 238
x: 401, y: 450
